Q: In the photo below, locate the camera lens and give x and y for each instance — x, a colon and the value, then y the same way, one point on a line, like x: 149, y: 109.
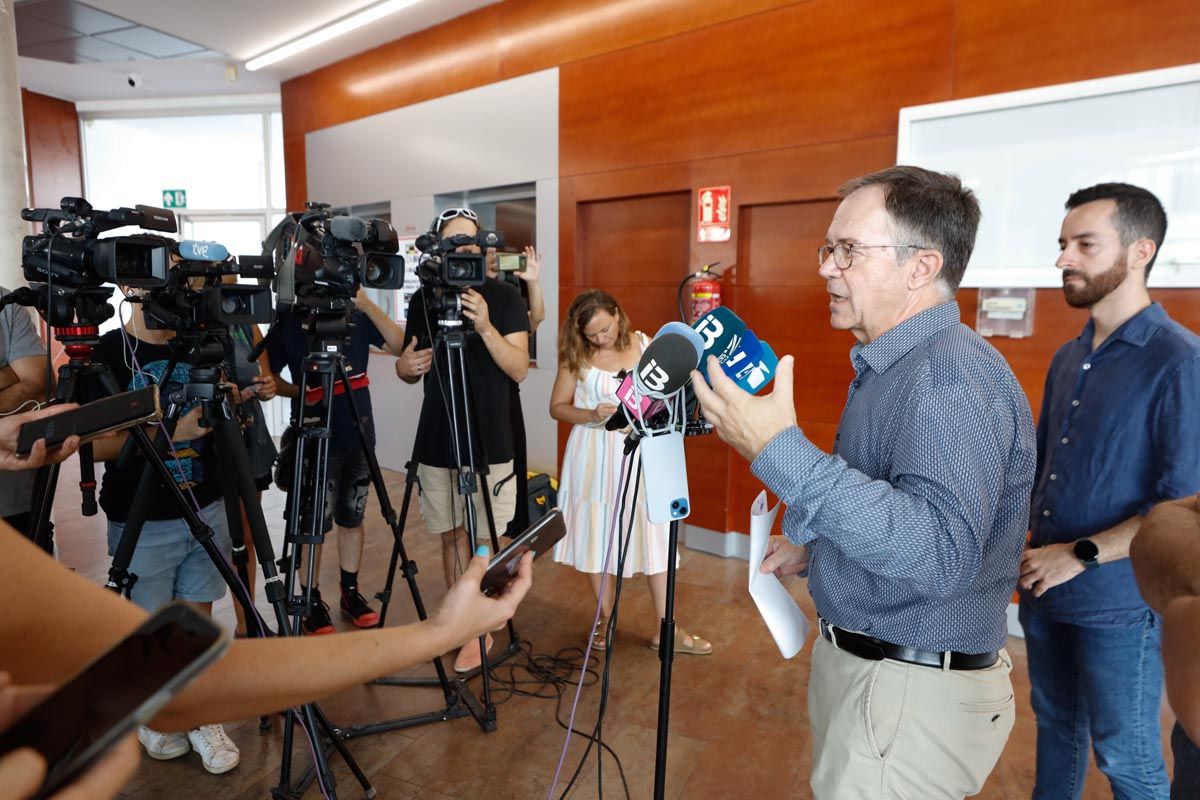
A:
x: 378, y: 271
x: 231, y: 305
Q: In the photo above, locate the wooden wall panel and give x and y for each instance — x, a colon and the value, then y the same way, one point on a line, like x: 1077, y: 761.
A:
x: 1020, y: 44
x: 803, y: 74
x: 52, y: 148
x: 781, y: 100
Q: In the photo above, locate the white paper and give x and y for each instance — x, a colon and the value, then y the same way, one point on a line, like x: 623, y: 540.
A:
x: 784, y: 619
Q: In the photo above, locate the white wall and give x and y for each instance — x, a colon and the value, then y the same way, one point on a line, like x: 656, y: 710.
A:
x: 496, y: 135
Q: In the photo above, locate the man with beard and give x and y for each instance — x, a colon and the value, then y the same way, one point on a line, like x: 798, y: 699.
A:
x: 1117, y: 434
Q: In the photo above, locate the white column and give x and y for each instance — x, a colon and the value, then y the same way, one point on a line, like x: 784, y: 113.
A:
x: 14, y: 193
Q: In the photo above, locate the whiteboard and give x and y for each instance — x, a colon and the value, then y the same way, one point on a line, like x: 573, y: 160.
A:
x: 1023, y: 153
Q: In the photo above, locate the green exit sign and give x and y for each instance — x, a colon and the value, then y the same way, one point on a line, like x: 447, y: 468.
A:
x: 174, y: 198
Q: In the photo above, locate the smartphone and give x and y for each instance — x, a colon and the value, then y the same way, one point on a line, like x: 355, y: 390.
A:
x: 91, y: 420
x: 120, y: 690
x: 539, y: 537
x: 510, y: 262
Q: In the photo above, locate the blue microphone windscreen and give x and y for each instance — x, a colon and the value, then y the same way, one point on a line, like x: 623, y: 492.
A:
x: 191, y: 250
x: 720, y: 331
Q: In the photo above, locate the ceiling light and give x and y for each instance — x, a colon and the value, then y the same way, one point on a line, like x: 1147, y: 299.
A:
x: 332, y: 31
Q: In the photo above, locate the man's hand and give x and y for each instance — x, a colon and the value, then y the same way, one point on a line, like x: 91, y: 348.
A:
x: 413, y: 363
x: 533, y: 265
x: 467, y: 613
x: 603, y: 411
x: 1043, y: 568
x: 264, y: 386
x: 10, y: 428
x: 783, y: 558
x: 189, y: 428
x: 475, y: 308
x: 746, y: 422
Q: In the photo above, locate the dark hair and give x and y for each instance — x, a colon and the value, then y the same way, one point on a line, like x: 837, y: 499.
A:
x: 1139, y: 214
x: 928, y: 208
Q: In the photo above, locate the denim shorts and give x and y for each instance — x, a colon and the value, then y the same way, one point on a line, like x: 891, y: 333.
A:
x: 170, y: 564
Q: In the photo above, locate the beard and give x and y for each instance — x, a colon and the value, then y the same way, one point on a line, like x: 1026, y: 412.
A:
x: 1094, y: 288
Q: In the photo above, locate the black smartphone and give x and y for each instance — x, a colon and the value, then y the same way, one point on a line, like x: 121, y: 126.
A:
x: 91, y: 420
x: 539, y: 537
x: 120, y: 690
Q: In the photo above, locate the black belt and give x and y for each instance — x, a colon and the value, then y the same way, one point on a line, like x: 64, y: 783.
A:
x: 872, y: 649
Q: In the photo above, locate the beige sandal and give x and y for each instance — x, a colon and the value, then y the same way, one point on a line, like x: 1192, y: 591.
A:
x: 598, y: 633
x: 698, y: 647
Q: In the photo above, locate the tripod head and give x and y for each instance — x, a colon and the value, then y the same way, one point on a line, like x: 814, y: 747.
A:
x: 64, y: 306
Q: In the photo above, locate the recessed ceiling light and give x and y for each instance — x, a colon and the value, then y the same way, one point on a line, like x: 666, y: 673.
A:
x: 332, y: 31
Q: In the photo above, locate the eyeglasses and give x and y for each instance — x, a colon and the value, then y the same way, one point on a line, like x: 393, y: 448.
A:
x: 843, y: 254
x: 452, y: 213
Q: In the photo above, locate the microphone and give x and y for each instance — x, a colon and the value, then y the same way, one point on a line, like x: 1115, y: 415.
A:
x: 721, y: 332
x: 752, y: 366
x: 353, y: 229
x: 747, y: 360
x: 686, y: 331
x: 634, y: 406
x: 666, y: 365
x: 192, y: 250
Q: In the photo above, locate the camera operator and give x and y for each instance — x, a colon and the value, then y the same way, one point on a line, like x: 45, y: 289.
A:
x: 169, y: 562
x: 348, y: 479
x: 496, y: 356
x: 22, y: 386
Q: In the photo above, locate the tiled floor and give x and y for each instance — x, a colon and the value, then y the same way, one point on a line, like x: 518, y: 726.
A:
x: 738, y: 724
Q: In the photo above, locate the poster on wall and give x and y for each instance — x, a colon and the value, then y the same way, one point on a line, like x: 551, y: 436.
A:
x: 712, y: 214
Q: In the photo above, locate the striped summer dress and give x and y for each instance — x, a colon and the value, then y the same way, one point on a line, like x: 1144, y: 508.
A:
x: 588, y: 489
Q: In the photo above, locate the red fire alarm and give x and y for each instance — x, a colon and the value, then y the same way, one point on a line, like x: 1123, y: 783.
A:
x: 712, y: 214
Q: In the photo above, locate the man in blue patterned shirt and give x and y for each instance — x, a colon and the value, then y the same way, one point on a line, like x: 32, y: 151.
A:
x: 1118, y: 433
x: 912, y: 530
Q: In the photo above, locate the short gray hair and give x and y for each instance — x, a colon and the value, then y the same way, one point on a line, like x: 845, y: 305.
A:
x: 932, y: 209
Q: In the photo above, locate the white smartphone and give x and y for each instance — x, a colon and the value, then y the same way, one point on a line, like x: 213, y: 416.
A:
x: 664, y: 473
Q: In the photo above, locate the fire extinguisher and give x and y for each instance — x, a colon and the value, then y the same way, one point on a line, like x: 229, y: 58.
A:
x: 699, y: 293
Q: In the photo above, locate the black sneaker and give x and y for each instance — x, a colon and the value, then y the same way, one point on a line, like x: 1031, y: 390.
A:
x: 318, y: 622
x: 355, y: 608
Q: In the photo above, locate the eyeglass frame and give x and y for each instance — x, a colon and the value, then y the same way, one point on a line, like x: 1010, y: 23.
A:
x: 850, y: 248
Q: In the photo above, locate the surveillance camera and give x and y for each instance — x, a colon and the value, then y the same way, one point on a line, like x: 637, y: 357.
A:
x: 134, y: 80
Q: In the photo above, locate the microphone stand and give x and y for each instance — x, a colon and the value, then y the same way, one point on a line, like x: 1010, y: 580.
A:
x: 693, y: 424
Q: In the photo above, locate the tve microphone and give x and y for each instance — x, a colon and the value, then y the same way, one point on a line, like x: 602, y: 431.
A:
x: 721, y: 332
x: 666, y: 366
x: 191, y: 250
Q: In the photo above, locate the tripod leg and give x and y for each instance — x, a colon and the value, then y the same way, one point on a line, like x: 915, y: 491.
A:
x: 46, y: 481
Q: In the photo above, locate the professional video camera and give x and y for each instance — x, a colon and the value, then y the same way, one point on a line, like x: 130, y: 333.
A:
x: 67, y: 264
x: 194, y: 298
x: 68, y: 252
x: 446, y: 273
x: 353, y: 252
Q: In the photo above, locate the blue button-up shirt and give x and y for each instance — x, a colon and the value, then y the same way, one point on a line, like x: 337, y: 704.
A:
x: 916, y: 523
x: 1119, y: 431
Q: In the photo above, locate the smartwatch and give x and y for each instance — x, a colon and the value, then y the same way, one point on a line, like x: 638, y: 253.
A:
x: 1087, y: 552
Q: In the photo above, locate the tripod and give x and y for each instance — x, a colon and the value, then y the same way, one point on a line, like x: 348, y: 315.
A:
x: 206, y: 353
x: 451, y: 343
x: 324, y: 365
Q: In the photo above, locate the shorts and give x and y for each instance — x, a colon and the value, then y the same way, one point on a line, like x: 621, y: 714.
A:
x: 170, y: 564
x: 347, y: 483
x: 442, y: 507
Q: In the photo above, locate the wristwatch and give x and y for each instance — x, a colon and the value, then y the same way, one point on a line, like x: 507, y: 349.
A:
x: 1087, y: 552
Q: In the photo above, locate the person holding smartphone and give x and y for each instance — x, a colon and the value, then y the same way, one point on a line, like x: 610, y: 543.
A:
x: 77, y: 621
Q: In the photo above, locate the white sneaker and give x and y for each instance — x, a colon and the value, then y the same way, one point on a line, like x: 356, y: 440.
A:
x: 163, y: 746
x: 217, y: 751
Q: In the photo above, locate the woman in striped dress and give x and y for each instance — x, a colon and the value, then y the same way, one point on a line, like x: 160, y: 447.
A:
x: 596, y: 342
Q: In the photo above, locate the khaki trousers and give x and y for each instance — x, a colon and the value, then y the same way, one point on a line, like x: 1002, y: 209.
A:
x: 887, y: 730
